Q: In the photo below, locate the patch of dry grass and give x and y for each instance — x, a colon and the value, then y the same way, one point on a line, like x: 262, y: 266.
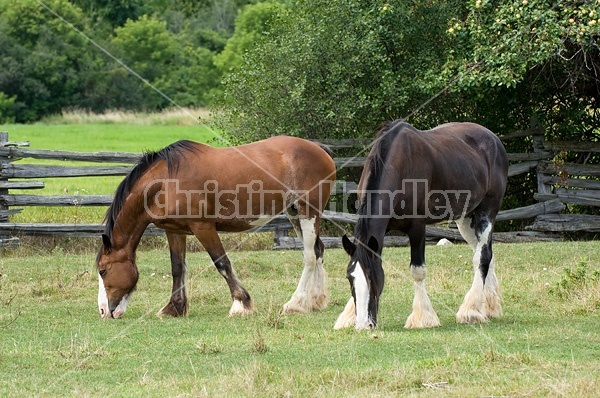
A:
x: 169, y: 116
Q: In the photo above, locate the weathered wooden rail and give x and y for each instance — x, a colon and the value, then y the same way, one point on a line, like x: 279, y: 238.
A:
x: 558, y: 184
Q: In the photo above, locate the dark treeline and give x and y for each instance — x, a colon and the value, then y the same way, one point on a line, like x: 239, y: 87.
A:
x: 47, y: 66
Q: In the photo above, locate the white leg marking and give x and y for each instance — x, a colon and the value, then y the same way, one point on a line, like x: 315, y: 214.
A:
x: 473, y: 308
x: 237, y: 308
x: 423, y: 314
x: 464, y: 227
x: 122, y: 307
x: 311, y: 293
x: 492, y: 293
x: 361, y: 292
x: 102, y: 299
x: 347, y: 318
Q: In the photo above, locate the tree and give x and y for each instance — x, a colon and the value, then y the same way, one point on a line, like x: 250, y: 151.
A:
x: 7, y: 114
x: 193, y: 80
x: 146, y: 46
x: 114, y: 13
x: 338, y: 74
x: 506, y: 64
x: 545, y: 53
x: 252, y: 22
x: 40, y: 57
x: 184, y: 73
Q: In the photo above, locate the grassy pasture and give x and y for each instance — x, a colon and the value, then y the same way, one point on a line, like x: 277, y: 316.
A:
x: 547, y: 344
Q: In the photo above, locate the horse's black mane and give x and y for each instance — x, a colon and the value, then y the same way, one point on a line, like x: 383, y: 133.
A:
x: 375, y: 163
x: 171, y: 154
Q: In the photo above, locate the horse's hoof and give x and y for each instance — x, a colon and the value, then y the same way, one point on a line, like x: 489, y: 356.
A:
x: 238, y: 309
x: 471, y: 317
x: 172, y: 310
x: 319, y: 302
x: 293, y: 308
x: 422, y: 322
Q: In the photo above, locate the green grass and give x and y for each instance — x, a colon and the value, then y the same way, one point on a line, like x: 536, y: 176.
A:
x: 53, y: 343
x: 104, y: 137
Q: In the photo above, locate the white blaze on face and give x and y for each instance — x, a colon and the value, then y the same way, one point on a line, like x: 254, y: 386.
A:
x: 361, y: 293
x: 120, y: 310
x: 102, y: 299
x: 103, y: 302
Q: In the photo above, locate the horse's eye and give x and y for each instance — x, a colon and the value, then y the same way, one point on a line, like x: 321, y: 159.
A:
x: 102, y: 272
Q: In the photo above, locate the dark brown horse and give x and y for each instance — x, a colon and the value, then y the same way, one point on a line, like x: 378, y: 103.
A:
x: 413, y: 178
x: 190, y: 188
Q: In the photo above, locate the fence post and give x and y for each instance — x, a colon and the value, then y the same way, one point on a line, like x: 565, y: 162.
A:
x: 538, y: 146
x: 3, y: 191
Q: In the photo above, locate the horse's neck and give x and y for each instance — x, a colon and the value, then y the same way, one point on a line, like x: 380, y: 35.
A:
x: 128, y: 237
x: 130, y: 224
x: 368, y: 227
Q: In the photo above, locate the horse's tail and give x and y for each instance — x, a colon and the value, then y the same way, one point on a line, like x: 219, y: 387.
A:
x: 326, y: 149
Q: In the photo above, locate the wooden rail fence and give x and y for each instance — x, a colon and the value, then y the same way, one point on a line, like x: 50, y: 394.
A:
x: 558, y: 184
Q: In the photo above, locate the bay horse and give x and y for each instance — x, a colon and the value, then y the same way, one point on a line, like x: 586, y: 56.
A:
x: 189, y: 188
x: 456, y: 171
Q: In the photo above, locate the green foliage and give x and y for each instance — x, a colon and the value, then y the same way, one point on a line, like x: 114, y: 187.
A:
x: 508, y: 38
x: 336, y: 74
x: 508, y: 65
x: 146, y: 46
x: 47, y: 67
x: 540, y: 56
x: 40, y: 57
x: 182, y: 71
x: 6, y: 109
x: 192, y: 80
x: 113, y: 12
x: 573, y: 281
x: 250, y: 25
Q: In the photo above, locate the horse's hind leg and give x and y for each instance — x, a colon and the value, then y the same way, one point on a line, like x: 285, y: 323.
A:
x: 311, y: 293
x: 178, y: 304
x: 482, y: 302
x: 208, y: 236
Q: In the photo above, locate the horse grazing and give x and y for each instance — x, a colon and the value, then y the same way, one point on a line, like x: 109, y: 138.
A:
x: 190, y: 188
x: 413, y: 178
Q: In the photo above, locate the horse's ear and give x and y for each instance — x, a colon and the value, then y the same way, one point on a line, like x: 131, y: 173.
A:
x: 106, y: 243
x: 348, y: 245
x: 373, y: 245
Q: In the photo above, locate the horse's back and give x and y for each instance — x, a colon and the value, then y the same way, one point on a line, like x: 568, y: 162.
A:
x: 470, y: 157
x: 452, y: 158
x: 285, y: 155
x: 470, y: 134
x: 278, y: 163
x: 466, y: 144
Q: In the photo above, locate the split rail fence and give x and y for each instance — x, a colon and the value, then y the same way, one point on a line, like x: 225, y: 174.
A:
x: 558, y: 185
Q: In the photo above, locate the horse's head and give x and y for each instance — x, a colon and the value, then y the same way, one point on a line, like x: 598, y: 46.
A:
x: 118, y: 276
x: 365, y: 274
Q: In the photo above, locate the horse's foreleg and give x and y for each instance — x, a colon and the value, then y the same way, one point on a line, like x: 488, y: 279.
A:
x: 311, y: 293
x: 482, y: 302
x: 178, y: 304
x: 207, y: 235
x: 347, y: 319
x: 423, y: 315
